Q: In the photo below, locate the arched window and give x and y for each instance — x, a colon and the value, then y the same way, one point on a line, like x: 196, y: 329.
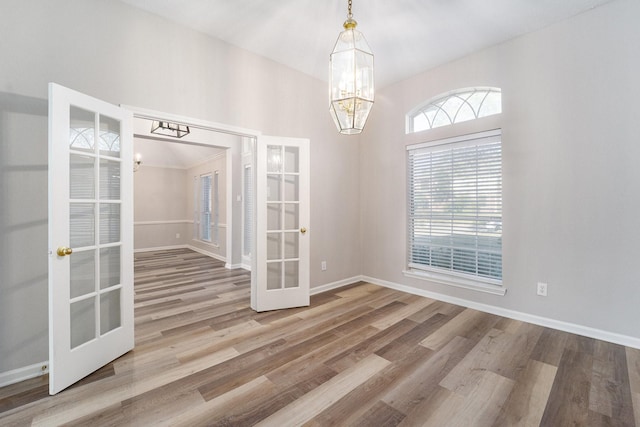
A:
x: 455, y: 107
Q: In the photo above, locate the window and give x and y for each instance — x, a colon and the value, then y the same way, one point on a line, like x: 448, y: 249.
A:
x: 204, y: 232
x: 455, y: 107
x: 248, y: 210
x: 216, y: 208
x: 455, y: 209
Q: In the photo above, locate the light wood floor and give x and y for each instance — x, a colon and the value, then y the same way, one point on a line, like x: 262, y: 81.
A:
x: 358, y: 356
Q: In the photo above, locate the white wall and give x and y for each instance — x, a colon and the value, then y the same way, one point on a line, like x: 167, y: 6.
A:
x: 125, y: 56
x: 570, y: 169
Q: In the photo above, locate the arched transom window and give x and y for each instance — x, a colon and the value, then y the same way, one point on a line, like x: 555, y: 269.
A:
x: 455, y: 107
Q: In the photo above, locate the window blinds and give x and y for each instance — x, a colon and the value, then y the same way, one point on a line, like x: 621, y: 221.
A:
x: 248, y: 210
x: 205, y: 207
x: 216, y: 208
x: 455, y: 206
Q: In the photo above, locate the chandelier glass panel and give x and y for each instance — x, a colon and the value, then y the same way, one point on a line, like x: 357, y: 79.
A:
x: 351, y: 79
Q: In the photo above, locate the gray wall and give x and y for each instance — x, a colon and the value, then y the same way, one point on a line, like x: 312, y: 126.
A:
x: 117, y: 53
x: 161, y: 198
x: 570, y: 168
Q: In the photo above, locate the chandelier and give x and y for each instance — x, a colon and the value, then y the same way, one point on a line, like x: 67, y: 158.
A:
x: 351, y: 79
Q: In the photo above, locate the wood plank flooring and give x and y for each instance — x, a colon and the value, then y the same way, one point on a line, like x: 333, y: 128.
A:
x: 362, y: 355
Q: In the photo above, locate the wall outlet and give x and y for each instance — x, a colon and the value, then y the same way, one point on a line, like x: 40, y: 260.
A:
x: 542, y: 289
x: 323, y: 265
x: 177, y: 235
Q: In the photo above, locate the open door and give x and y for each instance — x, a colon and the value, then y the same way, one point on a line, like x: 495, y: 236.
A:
x: 90, y: 235
x: 281, y: 259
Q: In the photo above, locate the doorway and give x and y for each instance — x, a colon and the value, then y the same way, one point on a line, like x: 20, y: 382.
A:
x: 91, y: 146
x: 209, y: 157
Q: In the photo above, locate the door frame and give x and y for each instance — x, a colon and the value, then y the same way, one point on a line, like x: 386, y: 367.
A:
x: 234, y: 151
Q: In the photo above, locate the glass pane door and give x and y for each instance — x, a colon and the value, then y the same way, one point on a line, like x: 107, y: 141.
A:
x: 94, y: 225
x: 282, y: 241
x: 282, y: 217
x: 90, y: 235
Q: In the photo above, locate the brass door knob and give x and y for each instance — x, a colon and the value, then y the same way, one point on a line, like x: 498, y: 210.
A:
x: 303, y: 230
x: 63, y: 250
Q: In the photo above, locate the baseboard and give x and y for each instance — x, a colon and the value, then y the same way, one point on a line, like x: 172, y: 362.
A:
x: 234, y: 266
x: 25, y: 373
x: 512, y: 314
x: 160, y: 248
x: 334, y: 285
x: 207, y: 253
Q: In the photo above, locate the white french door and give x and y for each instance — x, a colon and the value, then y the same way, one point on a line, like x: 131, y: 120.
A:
x: 281, y: 259
x: 90, y: 235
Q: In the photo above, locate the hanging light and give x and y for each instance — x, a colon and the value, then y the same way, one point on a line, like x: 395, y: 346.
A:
x: 175, y: 130
x: 351, y: 79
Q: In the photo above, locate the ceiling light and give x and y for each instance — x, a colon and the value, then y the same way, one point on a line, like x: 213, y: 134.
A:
x: 174, y: 130
x: 351, y: 79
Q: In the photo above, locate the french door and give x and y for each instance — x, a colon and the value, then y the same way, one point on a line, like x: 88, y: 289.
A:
x: 281, y: 258
x: 90, y: 235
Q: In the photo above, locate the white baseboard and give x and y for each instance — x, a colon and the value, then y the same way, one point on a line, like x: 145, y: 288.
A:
x: 193, y: 248
x: 25, y: 373
x: 207, y: 253
x: 334, y: 285
x: 512, y: 314
x: 234, y: 266
x: 160, y: 248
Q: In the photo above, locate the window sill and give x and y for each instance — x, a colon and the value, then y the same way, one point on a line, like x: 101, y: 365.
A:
x: 456, y: 281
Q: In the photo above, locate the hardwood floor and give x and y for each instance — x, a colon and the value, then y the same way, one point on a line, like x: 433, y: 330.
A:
x: 362, y: 355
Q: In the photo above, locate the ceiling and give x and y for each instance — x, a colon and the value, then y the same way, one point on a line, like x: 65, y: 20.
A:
x: 406, y: 36
x: 193, y: 149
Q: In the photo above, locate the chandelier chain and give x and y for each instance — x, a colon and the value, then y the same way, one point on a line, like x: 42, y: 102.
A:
x: 349, y: 15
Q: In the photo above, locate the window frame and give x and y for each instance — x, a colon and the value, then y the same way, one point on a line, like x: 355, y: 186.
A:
x: 445, y: 275
x: 215, y: 215
x: 202, y: 221
x: 440, y: 100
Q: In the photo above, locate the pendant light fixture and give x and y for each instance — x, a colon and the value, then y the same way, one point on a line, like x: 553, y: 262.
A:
x: 351, y: 79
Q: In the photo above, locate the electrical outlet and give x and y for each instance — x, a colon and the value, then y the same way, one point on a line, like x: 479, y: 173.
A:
x: 177, y: 235
x: 323, y: 265
x: 542, y: 289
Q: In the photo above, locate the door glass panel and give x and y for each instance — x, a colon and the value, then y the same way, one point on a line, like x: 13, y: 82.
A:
x: 273, y: 188
x: 291, y: 159
x: 291, y: 188
x: 291, y: 216
x: 274, y: 158
x: 109, y: 311
x: 274, y: 275
x: 83, y: 322
x: 81, y: 177
x: 291, y: 245
x: 82, y: 273
x: 109, y: 267
x: 274, y: 246
x: 109, y: 222
x: 291, y: 274
x: 274, y: 218
x: 109, y: 137
x: 82, y: 130
x: 81, y: 224
x: 109, y: 180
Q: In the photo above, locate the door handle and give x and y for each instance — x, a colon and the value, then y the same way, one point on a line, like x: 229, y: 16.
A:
x: 303, y: 230
x: 63, y: 250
